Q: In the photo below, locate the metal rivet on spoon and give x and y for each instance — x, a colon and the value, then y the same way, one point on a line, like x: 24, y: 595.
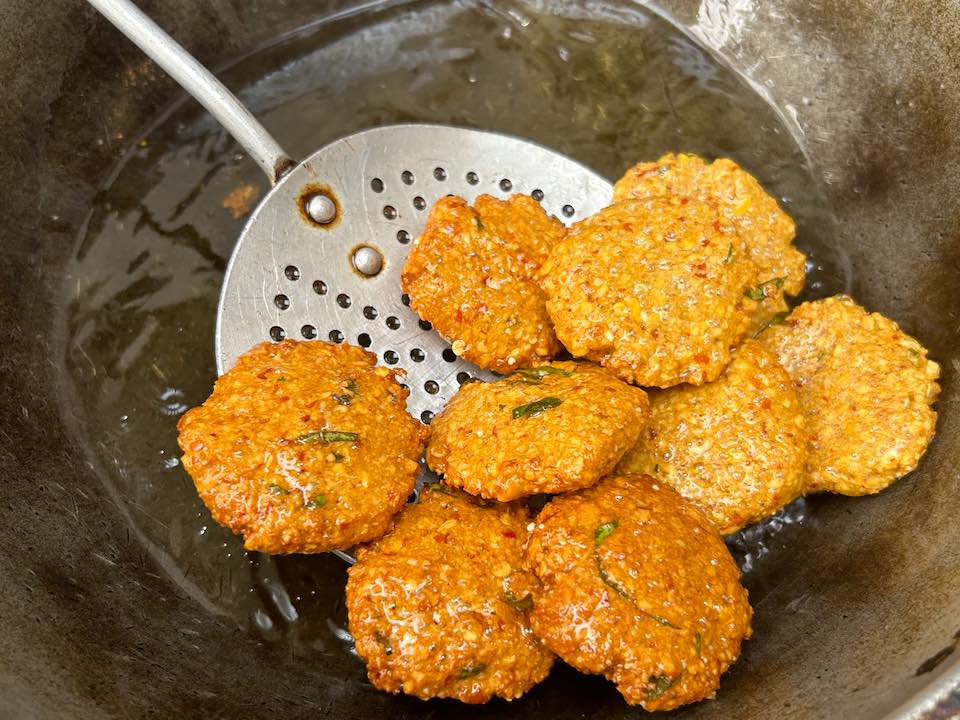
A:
x: 367, y: 261
x: 321, y: 209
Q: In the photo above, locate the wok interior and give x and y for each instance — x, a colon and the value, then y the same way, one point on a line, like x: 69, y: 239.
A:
x: 855, y: 611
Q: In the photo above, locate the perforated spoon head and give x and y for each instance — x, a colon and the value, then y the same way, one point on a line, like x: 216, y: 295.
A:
x: 338, y: 280
x: 320, y: 258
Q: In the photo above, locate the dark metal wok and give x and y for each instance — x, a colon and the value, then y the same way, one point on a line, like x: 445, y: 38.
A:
x: 857, y: 616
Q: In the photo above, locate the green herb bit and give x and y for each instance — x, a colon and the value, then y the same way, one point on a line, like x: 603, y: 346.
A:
x: 337, y: 457
x: 609, y: 581
x: 661, y: 683
x: 277, y: 489
x: 352, y: 387
x: 318, y: 501
x: 603, y: 532
x: 913, y: 351
x: 775, y: 320
x: 656, y: 468
x: 480, y: 225
x: 385, y: 642
x: 282, y: 378
x: 536, y: 407
x: 662, y: 620
x: 535, y: 376
x: 524, y: 603
x: 327, y: 436
x: 469, y: 380
x: 698, y: 643
x: 759, y: 293
x: 619, y: 590
x: 437, y: 487
x: 470, y: 670
x: 343, y: 399
x: 730, y: 254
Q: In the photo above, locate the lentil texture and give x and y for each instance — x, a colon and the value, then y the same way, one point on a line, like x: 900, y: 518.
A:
x: 501, y: 440
x: 439, y: 607
x: 866, y: 389
x: 472, y: 274
x: 736, y: 447
x: 765, y: 228
x: 638, y: 586
x: 651, y: 289
x: 303, y: 447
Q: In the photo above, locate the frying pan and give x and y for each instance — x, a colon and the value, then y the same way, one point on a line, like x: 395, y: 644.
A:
x: 858, y: 615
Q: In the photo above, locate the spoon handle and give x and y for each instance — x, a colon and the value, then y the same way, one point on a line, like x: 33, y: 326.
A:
x: 200, y: 83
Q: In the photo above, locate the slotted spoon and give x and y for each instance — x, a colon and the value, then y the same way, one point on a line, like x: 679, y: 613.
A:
x: 320, y: 257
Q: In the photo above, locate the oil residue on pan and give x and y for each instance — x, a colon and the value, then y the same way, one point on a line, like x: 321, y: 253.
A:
x: 608, y: 89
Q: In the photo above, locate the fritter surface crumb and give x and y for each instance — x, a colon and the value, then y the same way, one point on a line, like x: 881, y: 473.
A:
x: 439, y: 607
x: 736, y: 447
x: 303, y: 447
x: 638, y: 586
x: 580, y: 421
x: 765, y: 228
x: 472, y: 274
x: 866, y: 389
x: 653, y: 290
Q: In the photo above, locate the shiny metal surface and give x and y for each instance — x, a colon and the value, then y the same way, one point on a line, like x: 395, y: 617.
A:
x: 289, y: 278
x: 367, y: 261
x: 321, y: 209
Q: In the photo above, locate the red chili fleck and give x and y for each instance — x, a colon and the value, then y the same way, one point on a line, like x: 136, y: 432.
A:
x: 766, y: 404
x: 509, y: 533
x: 701, y: 358
x: 440, y: 538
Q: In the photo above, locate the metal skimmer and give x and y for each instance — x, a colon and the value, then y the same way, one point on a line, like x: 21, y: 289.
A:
x: 320, y: 257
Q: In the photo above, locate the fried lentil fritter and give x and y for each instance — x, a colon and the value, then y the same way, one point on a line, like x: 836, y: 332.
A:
x: 653, y: 290
x: 547, y: 429
x: 439, y: 607
x: 638, y: 586
x: 472, y: 274
x: 303, y: 447
x: 865, y: 388
x: 767, y: 231
x: 736, y: 447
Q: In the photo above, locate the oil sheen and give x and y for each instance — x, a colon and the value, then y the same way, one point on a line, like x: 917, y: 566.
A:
x: 607, y: 83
